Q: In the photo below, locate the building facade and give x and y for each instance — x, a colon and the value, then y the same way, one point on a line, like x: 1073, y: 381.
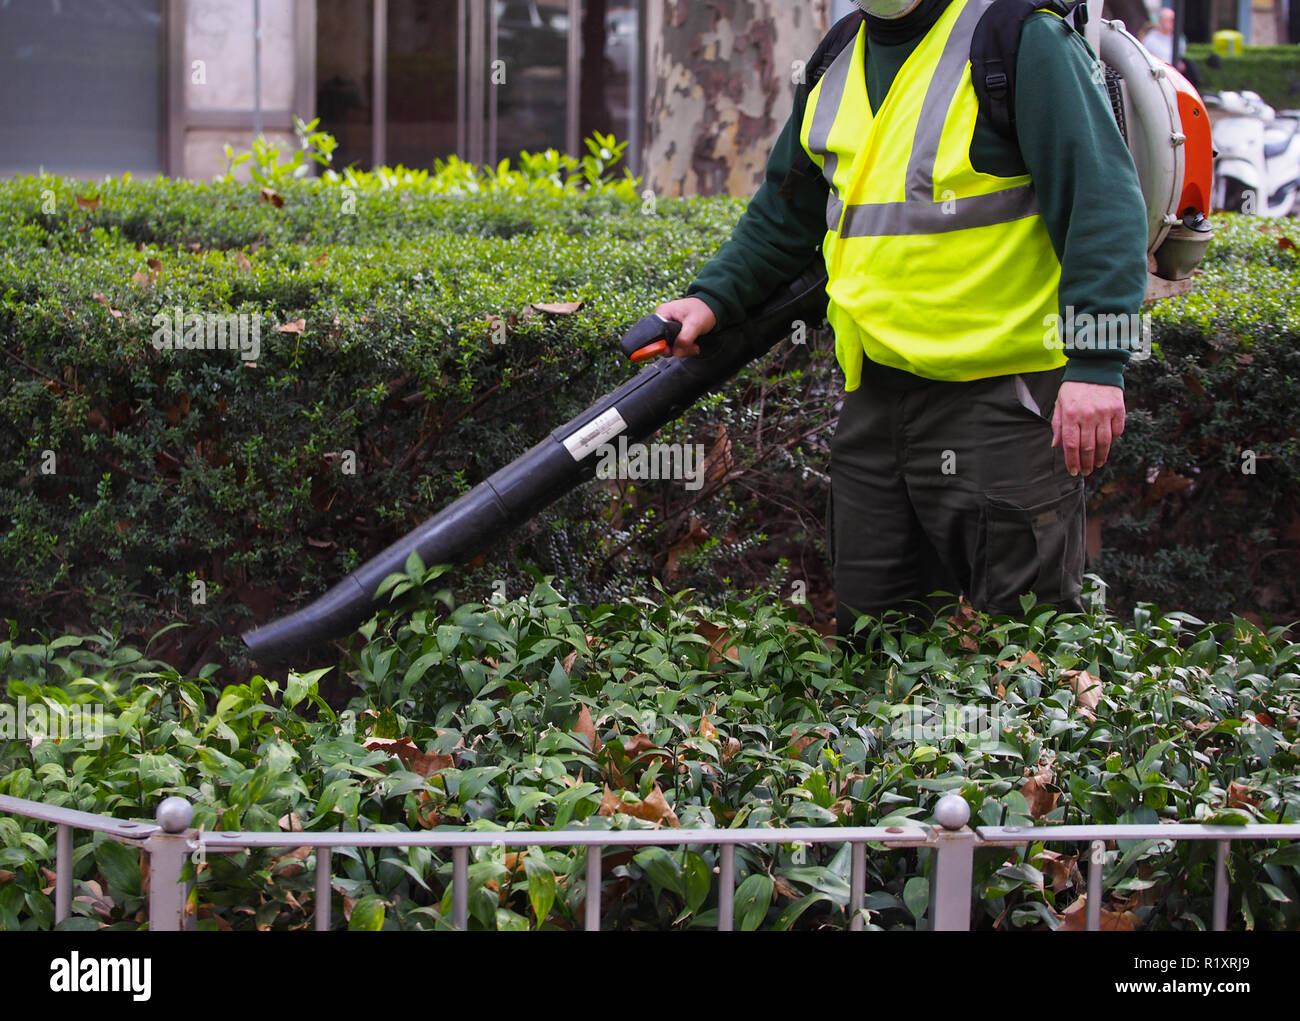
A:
x: 95, y: 87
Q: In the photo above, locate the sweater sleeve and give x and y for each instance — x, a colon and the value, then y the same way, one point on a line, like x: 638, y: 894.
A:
x: 1088, y: 190
x: 783, y: 225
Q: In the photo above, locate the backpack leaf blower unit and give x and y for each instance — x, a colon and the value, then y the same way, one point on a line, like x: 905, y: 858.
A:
x: 655, y: 396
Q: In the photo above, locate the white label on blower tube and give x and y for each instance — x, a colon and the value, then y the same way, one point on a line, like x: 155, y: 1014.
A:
x: 601, y: 429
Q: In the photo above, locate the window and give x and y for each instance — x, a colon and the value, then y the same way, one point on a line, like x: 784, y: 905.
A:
x: 82, y: 87
x: 408, y: 81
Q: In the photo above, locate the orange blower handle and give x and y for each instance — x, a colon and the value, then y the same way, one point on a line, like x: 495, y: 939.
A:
x: 651, y: 337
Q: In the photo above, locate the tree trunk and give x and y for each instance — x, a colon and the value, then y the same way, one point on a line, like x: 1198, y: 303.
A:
x: 720, y: 81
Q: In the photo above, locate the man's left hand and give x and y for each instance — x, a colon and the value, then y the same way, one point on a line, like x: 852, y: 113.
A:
x: 1088, y: 418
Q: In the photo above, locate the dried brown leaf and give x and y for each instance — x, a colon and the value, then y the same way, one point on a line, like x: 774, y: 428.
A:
x: 425, y: 811
x: 1239, y: 796
x: 103, y: 300
x: 798, y: 744
x: 696, y: 536
x: 411, y: 757
x: 586, y: 728
x: 654, y: 808
x: 1087, y: 690
x: 1061, y: 871
x: 720, y: 459
x: 642, y: 745
x: 1075, y: 918
x: 1035, y: 790
x: 558, y: 308
x: 719, y: 639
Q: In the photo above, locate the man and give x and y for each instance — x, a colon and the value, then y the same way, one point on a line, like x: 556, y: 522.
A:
x: 1159, y: 40
x: 968, y: 422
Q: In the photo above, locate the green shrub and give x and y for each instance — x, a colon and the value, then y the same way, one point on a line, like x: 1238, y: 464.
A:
x: 140, y: 487
x: 1198, y: 503
x: 539, y: 713
x: 167, y: 467
x: 1272, y: 71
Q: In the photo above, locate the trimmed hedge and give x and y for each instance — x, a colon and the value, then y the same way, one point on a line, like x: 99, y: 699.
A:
x: 1272, y: 71
x: 171, y: 467
x: 177, y: 467
x: 1199, y: 506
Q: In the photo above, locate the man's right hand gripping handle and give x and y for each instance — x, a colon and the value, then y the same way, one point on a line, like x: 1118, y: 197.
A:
x: 696, y: 319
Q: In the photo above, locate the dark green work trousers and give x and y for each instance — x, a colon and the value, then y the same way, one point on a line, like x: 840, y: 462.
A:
x: 953, y: 488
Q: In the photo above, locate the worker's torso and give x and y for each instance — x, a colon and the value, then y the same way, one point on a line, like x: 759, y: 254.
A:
x: 934, y: 267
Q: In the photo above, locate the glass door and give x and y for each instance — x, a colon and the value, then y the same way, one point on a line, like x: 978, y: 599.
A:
x: 409, y: 81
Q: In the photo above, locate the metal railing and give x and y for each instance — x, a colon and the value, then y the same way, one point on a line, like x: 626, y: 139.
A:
x: 170, y: 841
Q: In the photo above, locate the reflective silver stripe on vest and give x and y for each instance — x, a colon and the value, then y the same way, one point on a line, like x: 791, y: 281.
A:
x: 833, y: 84
x: 894, y: 219
x: 919, y: 212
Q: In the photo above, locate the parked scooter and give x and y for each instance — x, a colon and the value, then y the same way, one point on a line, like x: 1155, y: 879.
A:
x: 1257, y: 167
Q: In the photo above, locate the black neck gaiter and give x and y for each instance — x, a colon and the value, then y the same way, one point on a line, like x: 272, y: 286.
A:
x: 894, y: 31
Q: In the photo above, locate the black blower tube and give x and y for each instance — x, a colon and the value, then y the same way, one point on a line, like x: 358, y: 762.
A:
x: 658, y: 394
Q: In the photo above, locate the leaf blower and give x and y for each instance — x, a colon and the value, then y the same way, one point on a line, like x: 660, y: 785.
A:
x: 658, y: 394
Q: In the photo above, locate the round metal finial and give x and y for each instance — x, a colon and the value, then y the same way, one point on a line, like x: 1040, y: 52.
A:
x: 952, y: 812
x: 174, y: 814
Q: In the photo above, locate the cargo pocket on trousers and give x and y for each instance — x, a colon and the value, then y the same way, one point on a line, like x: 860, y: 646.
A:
x: 1037, y: 548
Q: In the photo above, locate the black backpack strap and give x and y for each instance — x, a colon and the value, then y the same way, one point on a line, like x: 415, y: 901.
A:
x: 841, y: 35
x: 993, y: 50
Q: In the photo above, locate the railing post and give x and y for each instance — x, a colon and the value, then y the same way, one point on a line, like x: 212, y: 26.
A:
x: 324, y: 857
x: 952, y: 866
x: 857, y: 886
x: 62, y: 873
x: 726, y: 887
x: 1221, y: 885
x: 1096, y: 859
x: 167, y: 853
x: 593, y: 889
x: 460, y: 887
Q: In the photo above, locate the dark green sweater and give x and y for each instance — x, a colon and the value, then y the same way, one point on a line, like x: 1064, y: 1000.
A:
x: 1088, y: 192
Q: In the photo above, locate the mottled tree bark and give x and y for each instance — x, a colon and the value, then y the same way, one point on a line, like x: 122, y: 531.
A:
x: 720, y: 79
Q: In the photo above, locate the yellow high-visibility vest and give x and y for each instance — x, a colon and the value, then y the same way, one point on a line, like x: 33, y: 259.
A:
x: 933, y: 267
